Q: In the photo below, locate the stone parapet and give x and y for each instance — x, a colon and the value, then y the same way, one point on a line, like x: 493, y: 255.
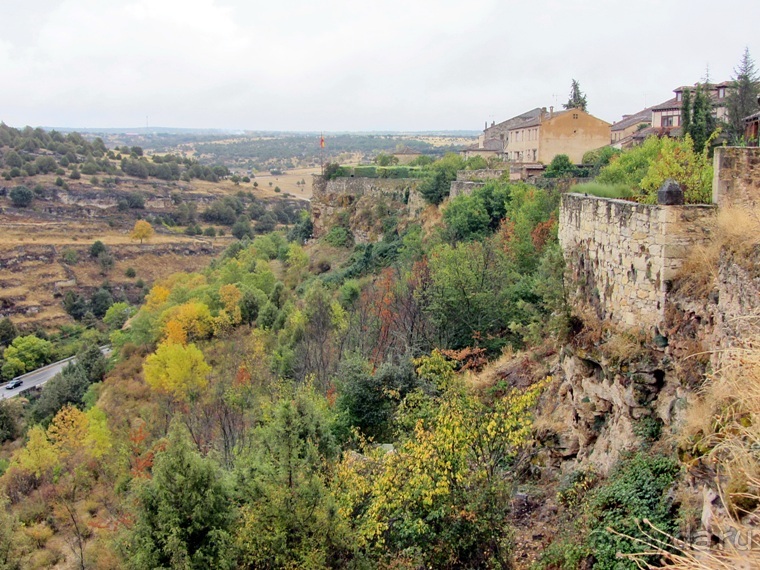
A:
x: 621, y: 256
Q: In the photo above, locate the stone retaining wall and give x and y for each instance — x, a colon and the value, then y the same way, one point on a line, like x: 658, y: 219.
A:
x: 621, y: 256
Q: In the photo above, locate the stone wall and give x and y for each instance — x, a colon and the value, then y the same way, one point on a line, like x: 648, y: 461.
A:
x: 364, y: 203
x: 481, y: 174
x: 621, y: 256
x: 469, y: 180
x: 736, y: 181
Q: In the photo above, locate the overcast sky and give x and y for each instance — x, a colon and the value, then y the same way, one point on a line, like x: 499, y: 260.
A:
x: 354, y: 65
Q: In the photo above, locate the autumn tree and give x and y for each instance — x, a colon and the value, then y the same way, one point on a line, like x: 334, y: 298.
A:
x: 142, y: 231
x: 177, y: 370
x: 443, y: 495
x: 577, y: 98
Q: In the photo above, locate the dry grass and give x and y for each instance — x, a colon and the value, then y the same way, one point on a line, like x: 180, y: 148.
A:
x: 722, y: 430
x: 735, y: 230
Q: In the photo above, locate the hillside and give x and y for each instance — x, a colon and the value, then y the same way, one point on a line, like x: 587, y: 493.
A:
x: 515, y: 377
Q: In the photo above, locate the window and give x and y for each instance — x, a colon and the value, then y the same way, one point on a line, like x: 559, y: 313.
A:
x: 670, y: 121
x: 678, y: 95
x: 575, y: 115
x: 721, y: 92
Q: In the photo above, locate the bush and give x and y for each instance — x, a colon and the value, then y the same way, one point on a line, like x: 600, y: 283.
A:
x: 97, y: 248
x: 560, y: 166
x: 75, y: 174
x: 130, y: 272
x: 209, y: 232
x: 21, y: 197
x: 70, y: 256
x: 338, y: 236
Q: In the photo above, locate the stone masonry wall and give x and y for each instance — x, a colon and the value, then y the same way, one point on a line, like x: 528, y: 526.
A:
x: 621, y: 256
x: 359, y: 201
x: 736, y: 181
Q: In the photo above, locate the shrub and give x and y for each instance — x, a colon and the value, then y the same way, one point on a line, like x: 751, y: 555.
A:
x: 97, y: 248
x: 130, y: 272
x: 209, y: 232
x: 75, y: 174
x: 21, y: 197
x: 70, y: 256
x: 338, y: 236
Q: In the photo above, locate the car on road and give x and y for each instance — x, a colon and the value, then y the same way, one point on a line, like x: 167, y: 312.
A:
x: 14, y: 384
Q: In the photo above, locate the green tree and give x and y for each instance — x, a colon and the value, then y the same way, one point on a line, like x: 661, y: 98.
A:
x: 100, y: 302
x: 577, y: 98
x: 117, y: 314
x: 384, y: 159
x: 560, y: 166
x: 742, y: 97
x: 8, y: 331
x: 443, y: 172
x: 21, y: 197
x: 9, y: 544
x: 184, y: 512
x: 467, y: 218
x: 31, y: 351
x: 97, y: 248
x: 290, y: 519
x: 703, y: 122
x: 12, y: 159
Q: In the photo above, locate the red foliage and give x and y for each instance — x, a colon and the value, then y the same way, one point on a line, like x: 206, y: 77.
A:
x: 542, y: 232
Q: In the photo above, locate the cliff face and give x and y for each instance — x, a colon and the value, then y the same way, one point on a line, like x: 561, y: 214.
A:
x: 650, y: 324
x: 362, y: 204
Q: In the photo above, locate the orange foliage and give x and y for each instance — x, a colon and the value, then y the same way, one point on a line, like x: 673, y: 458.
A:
x: 543, y: 231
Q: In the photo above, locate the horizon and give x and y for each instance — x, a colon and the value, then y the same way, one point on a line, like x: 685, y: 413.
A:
x: 294, y: 66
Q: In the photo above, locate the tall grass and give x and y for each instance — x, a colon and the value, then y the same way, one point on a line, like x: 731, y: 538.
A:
x: 603, y: 190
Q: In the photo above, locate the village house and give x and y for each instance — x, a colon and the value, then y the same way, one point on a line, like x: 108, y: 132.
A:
x: 665, y: 118
x: 572, y: 132
x: 493, y: 141
x: 622, y: 132
x: 406, y: 155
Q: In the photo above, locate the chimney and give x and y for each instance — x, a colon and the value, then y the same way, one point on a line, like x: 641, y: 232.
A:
x: 551, y: 112
x: 493, y: 123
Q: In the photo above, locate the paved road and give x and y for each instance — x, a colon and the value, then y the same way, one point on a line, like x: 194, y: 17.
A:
x: 41, y: 375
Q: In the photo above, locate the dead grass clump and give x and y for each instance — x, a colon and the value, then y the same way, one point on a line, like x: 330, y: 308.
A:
x: 622, y: 345
x: 722, y: 429
x: 734, y: 230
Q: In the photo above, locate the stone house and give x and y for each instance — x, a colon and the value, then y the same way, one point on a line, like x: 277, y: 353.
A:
x: 406, y: 155
x: 572, y: 132
x: 494, y: 139
x: 622, y: 132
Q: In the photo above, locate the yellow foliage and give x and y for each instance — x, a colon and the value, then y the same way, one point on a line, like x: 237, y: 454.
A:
x: 158, y: 296
x: 38, y: 456
x: 230, y: 296
x: 175, y: 333
x: 68, y: 431
x: 177, y: 370
x: 99, y: 439
x: 142, y: 231
x: 194, y: 317
x: 463, y: 447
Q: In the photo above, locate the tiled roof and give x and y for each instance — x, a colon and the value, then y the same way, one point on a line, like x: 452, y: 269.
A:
x: 518, y: 119
x: 643, y: 116
x: 537, y: 121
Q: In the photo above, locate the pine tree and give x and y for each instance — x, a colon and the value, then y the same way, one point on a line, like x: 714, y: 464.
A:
x: 703, y: 122
x: 184, y: 513
x: 742, y: 97
x: 577, y: 98
x: 686, y: 111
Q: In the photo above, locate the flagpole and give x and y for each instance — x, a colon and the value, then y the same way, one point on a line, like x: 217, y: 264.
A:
x: 322, y: 152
